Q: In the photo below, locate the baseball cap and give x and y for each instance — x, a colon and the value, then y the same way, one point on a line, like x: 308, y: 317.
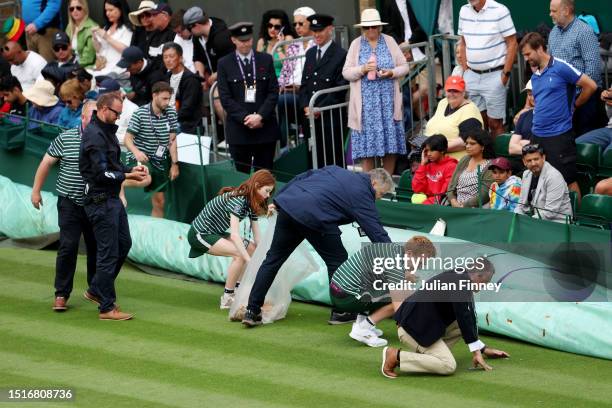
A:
x: 502, y: 163
x: 108, y: 85
x: 129, y: 56
x: 528, y: 87
x: 455, y: 83
x: 60, y: 38
x: 162, y: 8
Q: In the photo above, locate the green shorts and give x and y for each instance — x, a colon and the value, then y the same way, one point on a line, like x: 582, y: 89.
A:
x: 345, y: 302
x: 160, y: 179
x: 201, y: 243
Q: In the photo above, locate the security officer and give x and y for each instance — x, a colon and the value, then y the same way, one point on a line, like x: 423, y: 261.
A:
x: 103, y: 173
x: 248, y: 89
x: 323, y: 70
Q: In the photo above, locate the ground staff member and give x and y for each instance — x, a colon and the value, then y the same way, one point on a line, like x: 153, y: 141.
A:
x: 103, y: 174
x: 151, y: 140
x: 71, y: 216
x: 311, y: 207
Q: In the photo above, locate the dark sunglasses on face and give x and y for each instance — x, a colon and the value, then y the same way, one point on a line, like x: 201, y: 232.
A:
x: 298, y: 23
x: 532, y: 148
x: 146, y: 15
x: 58, y: 48
x: 275, y: 26
x: 6, y: 48
x: 114, y: 111
x: 79, y: 8
x: 370, y: 28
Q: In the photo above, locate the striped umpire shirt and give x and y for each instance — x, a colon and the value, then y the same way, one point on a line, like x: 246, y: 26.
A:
x: 356, y: 275
x: 215, y: 216
x: 66, y: 147
x: 484, y: 32
x: 151, y: 131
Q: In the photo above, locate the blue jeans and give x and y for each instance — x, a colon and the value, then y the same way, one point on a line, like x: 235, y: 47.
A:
x: 602, y: 137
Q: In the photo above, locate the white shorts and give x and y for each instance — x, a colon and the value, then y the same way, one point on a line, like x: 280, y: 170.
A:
x: 488, y: 92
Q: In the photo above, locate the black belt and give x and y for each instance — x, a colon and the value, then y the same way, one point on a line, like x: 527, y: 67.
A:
x: 487, y: 71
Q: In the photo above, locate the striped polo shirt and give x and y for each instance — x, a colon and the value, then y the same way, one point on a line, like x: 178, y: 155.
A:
x: 151, y: 131
x: 66, y: 147
x: 484, y: 32
x: 356, y: 275
x: 215, y: 216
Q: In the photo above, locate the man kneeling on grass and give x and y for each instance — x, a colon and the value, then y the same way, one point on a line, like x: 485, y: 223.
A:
x: 430, y: 322
x: 365, y: 284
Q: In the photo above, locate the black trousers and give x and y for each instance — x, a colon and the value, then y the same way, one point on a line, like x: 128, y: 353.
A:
x: 72, y: 223
x: 258, y: 156
x: 112, y: 232
x: 288, y: 234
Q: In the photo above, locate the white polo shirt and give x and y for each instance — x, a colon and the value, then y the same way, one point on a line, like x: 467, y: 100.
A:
x: 484, y: 33
x: 28, y: 72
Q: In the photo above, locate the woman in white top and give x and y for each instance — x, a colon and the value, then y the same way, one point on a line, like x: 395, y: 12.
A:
x: 111, y: 40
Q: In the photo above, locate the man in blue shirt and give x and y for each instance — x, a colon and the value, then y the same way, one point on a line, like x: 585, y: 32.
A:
x: 311, y: 207
x: 575, y: 42
x: 42, y: 19
x: 554, y: 89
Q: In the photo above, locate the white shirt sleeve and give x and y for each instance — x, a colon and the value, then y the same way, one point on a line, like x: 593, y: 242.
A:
x: 477, y: 345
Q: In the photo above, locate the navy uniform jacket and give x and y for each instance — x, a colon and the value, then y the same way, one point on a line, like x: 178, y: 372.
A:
x: 99, y: 161
x: 426, y: 314
x: 231, y: 93
x: 323, y: 75
x: 325, y: 198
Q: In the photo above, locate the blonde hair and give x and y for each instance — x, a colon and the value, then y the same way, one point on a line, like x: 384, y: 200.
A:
x: 420, y: 246
x: 71, y: 23
x: 71, y: 89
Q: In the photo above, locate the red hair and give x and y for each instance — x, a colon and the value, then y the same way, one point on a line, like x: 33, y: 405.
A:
x: 259, y: 179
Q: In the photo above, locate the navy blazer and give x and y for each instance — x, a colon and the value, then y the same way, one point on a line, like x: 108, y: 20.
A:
x: 324, y: 74
x: 325, y: 198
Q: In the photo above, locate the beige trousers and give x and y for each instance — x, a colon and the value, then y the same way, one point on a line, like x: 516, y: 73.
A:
x: 42, y: 44
x: 436, y: 359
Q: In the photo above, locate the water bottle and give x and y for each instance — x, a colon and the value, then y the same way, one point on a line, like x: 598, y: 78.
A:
x: 372, y: 74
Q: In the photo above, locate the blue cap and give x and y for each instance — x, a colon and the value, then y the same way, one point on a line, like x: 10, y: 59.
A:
x: 129, y: 56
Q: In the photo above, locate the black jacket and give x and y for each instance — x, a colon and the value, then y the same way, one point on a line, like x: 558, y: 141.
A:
x: 426, y: 314
x: 218, y: 45
x: 99, y: 161
x: 143, y: 82
x: 325, y: 74
x: 151, y: 42
x: 231, y: 93
x: 189, y: 102
x: 391, y: 14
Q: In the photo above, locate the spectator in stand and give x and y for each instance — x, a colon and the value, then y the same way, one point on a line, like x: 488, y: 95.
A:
x: 161, y: 15
x: 65, y: 61
x: 544, y: 194
x: 25, y: 65
x: 186, y: 97
x: 110, y: 85
x: 11, y: 92
x: 183, y: 38
x: 42, y: 19
x: 154, y: 31
x: 522, y: 131
x: 84, y: 79
x: 573, y: 41
x: 505, y: 191
x: 430, y: 181
x: 45, y: 105
x: 460, y: 59
x: 211, y: 42
x: 72, y: 95
x: 142, y: 20
x: 455, y: 115
x: 79, y: 30
x: 488, y: 33
x: 250, y: 102
x: 374, y: 64
x: 114, y: 37
x: 472, y: 178
x: 13, y: 29
x: 603, y: 136
x: 275, y: 28
x: 554, y: 90
x: 142, y: 74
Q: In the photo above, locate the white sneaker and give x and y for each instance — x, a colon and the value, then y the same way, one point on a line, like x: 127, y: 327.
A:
x: 366, y: 336
x: 226, y: 300
x: 374, y: 329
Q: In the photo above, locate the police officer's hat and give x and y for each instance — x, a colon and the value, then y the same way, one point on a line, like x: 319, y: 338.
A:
x: 319, y: 21
x: 242, y: 30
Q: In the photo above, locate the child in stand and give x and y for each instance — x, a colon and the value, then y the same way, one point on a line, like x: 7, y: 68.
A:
x: 215, y: 230
x: 505, y: 191
x: 431, y: 179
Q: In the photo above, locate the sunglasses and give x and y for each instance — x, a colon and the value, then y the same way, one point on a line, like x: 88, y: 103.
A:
x: 79, y: 8
x: 114, y: 111
x: 146, y: 15
x: 298, y: 23
x: 532, y: 148
x: 370, y: 28
x: 6, y: 48
x: 274, y: 26
x: 58, y: 48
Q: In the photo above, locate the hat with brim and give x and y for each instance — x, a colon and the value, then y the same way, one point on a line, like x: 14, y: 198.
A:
x: 319, y: 22
x: 501, y: 163
x: 528, y: 87
x: 42, y: 93
x: 144, y: 6
x: 370, y: 18
x: 242, y: 30
x: 454, y: 83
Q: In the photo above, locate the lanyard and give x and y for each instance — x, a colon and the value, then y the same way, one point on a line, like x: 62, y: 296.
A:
x: 151, y: 121
x: 242, y: 70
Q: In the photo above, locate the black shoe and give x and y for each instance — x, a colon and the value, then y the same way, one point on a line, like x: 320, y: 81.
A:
x: 251, y: 319
x: 341, y: 318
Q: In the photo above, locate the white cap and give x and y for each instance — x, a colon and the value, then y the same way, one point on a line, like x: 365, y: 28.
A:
x: 304, y: 11
x: 528, y: 87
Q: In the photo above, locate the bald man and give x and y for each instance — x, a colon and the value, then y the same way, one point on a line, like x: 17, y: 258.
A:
x: 25, y: 65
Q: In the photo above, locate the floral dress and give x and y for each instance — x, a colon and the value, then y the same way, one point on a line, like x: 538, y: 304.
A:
x: 380, y: 134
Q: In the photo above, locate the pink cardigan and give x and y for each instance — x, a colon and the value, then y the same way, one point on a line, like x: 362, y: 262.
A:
x: 352, y: 73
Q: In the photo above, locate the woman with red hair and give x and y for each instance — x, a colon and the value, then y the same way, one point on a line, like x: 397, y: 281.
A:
x: 216, y: 230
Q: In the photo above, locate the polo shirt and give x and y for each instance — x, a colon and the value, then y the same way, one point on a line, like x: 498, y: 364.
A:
x: 554, y: 91
x: 484, y: 32
x: 216, y: 214
x: 151, y: 131
x: 66, y: 147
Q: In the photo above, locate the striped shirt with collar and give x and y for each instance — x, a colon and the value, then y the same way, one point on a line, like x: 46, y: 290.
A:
x: 484, y: 33
x: 66, y: 147
x: 215, y: 216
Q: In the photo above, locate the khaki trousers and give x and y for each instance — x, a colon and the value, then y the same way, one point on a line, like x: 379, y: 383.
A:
x: 436, y: 359
x: 42, y: 44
